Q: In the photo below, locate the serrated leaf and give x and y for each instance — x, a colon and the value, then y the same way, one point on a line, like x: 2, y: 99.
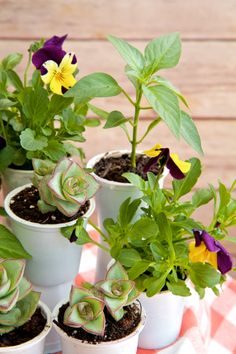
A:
x: 164, y: 82
x: 204, y: 275
x: 32, y: 142
x: 165, y: 103
x: 163, y: 52
x: 182, y: 187
x: 10, y: 246
x: 94, y: 85
x: 130, y: 54
x: 189, y: 133
x: 114, y: 119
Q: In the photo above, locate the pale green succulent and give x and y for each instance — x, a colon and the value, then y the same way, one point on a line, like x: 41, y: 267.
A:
x: 17, y: 300
x: 65, y: 186
x: 86, y: 304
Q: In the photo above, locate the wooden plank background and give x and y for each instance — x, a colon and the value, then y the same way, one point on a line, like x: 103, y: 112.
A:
x: 205, y: 74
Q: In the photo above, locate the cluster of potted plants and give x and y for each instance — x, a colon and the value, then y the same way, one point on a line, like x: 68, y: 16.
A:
x: 152, y: 247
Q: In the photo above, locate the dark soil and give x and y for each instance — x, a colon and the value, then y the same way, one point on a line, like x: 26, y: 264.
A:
x: 113, y: 330
x: 24, y: 205
x: 112, y: 168
x: 26, y: 332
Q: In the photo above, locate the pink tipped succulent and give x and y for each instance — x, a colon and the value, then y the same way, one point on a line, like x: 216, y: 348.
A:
x: 17, y: 300
x: 66, y: 188
x: 86, y: 311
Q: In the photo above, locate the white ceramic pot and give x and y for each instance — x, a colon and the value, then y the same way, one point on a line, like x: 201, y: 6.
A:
x: 164, y: 318
x: 54, y: 259
x: 108, y: 199
x: 35, y: 345
x: 126, y: 345
x: 13, y: 178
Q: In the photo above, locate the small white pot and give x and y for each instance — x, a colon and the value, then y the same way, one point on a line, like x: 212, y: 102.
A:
x: 108, y: 199
x: 35, y: 345
x: 126, y: 345
x: 164, y: 318
x: 54, y: 259
x: 13, y: 178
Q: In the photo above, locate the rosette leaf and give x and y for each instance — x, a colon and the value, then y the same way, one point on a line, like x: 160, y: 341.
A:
x: 85, y: 311
x: 17, y: 300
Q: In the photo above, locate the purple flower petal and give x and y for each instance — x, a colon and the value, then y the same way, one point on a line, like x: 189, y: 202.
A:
x: 174, y: 169
x: 151, y: 162
x: 163, y: 156
x: 224, y: 260
x: 55, y: 41
x: 211, y: 244
x: 74, y: 60
x: 48, y: 53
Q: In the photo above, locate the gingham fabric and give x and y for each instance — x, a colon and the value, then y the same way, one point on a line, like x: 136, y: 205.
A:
x: 209, y: 326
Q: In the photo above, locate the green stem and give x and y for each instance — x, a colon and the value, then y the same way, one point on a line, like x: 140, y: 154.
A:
x: 4, y: 131
x: 135, y: 128
x: 184, y: 239
x: 105, y: 238
x: 27, y: 68
x: 101, y: 246
x: 128, y: 96
x: 148, y: 107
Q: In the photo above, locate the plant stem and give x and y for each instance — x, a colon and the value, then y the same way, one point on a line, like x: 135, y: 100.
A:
x: 27, y: 68
x: 105, y: 238
x: 3, y: 131
x: 128, y: 96
x: 148, y: 107
x: 135, y: 128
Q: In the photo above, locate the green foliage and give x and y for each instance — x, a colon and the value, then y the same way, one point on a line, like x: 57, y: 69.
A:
x: 10, y: 247
x: 65, y: 186
x: 86, y: 305
x: 17, y: 300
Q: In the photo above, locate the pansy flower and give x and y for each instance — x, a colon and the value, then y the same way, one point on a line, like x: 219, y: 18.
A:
x: 60, y: 77
x: 51, y: 50
x: 208, y: 250
x: 177, y: 167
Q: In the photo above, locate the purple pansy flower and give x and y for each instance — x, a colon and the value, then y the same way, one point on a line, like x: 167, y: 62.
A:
x: 224, y: 260
x: 51, y: 50
x: 161, y: 155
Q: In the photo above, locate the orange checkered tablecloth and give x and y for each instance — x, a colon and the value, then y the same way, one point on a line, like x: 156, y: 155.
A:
x: 209, y: 325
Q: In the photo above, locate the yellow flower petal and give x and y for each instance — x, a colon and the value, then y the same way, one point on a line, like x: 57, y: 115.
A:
x: 154, y: 151
x: 65, y: 66
x: 68, y: 81
x: 183, y: 165
x: 55, y: 86
x: 52, y: 68
x: 201, y: 254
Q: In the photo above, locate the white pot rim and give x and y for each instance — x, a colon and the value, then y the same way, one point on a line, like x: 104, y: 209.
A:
x: 13, y: 216
x: 40, y: 336
x: 137, y: 330
x: 96, y: 158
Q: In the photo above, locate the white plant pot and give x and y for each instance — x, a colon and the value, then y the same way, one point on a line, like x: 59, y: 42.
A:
x: 126, y: 345
x: 35, y: 345
x: 164, y: 318
x: 54, y: 259
x: 108, y: 199
x: 13, y: 178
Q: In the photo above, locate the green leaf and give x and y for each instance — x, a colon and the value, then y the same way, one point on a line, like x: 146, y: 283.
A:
x: 202, y: 196
x: 128, y: 257
x: 127, y: 211
x: 154, y: 285
x: 115, y: 119
x: 89, y: 122
x: 94, y: 85
x: 54, y: 150
x: 165, y: 103
x: 6, y: 157
x: 35, y: 104
x: 150, y: 127
x: 189, y: 133
x: 138, y: 268
x: 204, y: 275
x: 179, y: 288
x: 15, y: 80
x: 164, y: 82
x: 11, y: 60
x: 10, y: 247
x: 32, y: 142
x: 143, y: 228
x: 98, y: 111
x: 73, y: 122
x: 134, y: 179
x: 58, y: 103
x: 6, y: 103
x: 224, y: 197
x: 183, y: 186
x: 163, y: 52
x: 130, y: 54
x: 164, y: 228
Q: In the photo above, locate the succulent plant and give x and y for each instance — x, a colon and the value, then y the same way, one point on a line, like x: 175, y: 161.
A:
x: 87, y: 303
x: 65, y: 186
x: 17, y: 300
x: 86, y: 311
x: 118, y: 291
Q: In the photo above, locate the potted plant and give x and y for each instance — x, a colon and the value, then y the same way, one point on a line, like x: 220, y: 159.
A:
x: 101, y: 317
x: 168, y: 252
x: 152, y: 92
x: 24, y: 321
x: 36, y: 120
